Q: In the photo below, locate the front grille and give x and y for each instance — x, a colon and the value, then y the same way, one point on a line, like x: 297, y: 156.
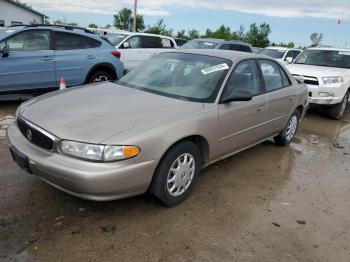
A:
x: 35, y: 135
x: 309, y: 80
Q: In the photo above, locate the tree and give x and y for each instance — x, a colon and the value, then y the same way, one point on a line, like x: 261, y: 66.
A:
x: 159, y: 28
x: 258, y: 36
x: 182, y: 34
x: 282, y: 44
x: 124, y: 20
x: 108, y: 26
x: 93, y: 26
x: 316, y: 39
x: 222, y: 32
x: 193, y: 34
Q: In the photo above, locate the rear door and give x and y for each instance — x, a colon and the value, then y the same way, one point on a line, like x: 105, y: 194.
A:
x: 282, y: 96
x: 133, y: 55
x: 241, y: 124
x: 30, y: 64
x: 75, y: 55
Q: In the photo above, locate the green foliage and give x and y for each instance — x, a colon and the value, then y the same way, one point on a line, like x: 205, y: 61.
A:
x: 222, y: 32
x: 316, y: 39
x: 93, y: 26
x: 258, y: 35
x: 159, y: 28
x: 124, y: 20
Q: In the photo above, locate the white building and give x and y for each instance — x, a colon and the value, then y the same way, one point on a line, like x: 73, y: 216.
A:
x: 13, y: 12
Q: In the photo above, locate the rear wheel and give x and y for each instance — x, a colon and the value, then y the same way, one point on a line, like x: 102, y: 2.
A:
x: 338, y: 110
x: 177, y: 173
x: 288, y: 133
x: 100, y: 76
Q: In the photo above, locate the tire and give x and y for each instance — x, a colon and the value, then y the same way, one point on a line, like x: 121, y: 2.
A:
x: 100, y: 76
x: 288, y: 133
x: 164, y: 180
x: 338, y: 110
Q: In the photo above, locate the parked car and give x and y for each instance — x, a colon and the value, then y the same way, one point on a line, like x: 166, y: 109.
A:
x: 135, y: 48
x: 33, y: 58
x: 180, y: 42
x: 282, y: 54
x: 158, y: 126
x: 257, y: 50
x: 207, y: 43
x: 326, y: 72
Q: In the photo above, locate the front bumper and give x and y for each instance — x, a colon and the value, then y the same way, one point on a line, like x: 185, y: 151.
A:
x: 315, y: 98
x: 88, y: 180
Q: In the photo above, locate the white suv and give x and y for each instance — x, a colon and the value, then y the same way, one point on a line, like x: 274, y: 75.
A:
x: 136, y: 48
x: 326, y: 72
x: 282, y: 54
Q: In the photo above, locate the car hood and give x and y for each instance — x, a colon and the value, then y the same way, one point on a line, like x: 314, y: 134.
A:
x: 94, y: 113
x: 315, y: 71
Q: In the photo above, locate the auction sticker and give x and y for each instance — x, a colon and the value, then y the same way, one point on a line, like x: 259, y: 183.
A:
x: 215, y: 68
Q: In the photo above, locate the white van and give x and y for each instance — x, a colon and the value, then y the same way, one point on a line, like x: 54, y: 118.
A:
x: 136, y: 48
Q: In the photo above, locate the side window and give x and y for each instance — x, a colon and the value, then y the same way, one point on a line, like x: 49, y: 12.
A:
x: 272, y: 75
x: 167, y: 43
x: 243, y: 80
x: 33, y: 40
x: 68, y: 41
x: 225, y: 47
x: 2, y: 23
x: 94, y: 43
x: 285, y: 79
x: 296, y: 53
x: 134, y: 42
x: 151, y: 42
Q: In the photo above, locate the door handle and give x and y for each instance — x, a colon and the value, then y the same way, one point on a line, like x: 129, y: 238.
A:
x: 47, y: 58
x: 91, y: 57
x: 260, y: 108
x: 291, y: 99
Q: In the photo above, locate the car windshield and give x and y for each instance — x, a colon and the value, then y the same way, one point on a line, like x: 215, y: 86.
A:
x: 5, y: 32
x: 329, y: 58
x: 274, y: 53
x: 199, y: 44
x: 182, y: 76
x: 116, y: 39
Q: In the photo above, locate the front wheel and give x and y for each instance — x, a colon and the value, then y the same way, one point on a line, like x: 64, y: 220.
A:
x: 176, y: 175
x: 288, y: 133
x: 338, y: 110
x: 100, y: 76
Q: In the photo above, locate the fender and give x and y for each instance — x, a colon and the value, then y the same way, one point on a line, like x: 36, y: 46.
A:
x: 108, y: 65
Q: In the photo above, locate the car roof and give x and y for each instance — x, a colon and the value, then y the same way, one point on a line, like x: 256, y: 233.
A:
x: 330, y: 49
x: 225, y: 54
x: 236, y: 42
x: 137, y: 33
x: 213, y: 40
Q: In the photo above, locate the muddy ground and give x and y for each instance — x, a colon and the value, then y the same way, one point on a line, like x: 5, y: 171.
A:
x: 266, y: 204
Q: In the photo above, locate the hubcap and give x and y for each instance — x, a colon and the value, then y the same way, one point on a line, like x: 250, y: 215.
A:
x: 292, y: 127
x: 101, y: 78
x: 181, y: 174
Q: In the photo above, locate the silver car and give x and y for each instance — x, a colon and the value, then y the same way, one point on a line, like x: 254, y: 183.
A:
x: 158, y: 126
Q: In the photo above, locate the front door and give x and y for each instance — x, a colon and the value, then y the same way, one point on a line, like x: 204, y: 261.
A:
x: 241, y: 123
x: 30, y: 64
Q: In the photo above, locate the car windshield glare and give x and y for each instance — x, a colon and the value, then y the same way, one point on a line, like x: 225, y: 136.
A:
x: 183, y: 76
x: 199, y: 44
x: 328, y: 58
x: 116, y: 39
x: 274, y: 53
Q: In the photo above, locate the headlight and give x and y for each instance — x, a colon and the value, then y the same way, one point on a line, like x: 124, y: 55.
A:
x: 93, y: 152
x: 332, y: 80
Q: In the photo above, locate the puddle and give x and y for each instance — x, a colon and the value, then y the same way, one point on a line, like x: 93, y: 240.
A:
x: 7, y: 116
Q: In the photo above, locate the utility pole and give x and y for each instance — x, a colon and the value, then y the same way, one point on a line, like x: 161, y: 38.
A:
x: 135, y: 15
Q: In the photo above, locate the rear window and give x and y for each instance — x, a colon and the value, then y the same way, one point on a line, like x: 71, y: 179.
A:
x: 116, y: 39
x: 151, y: 42
x: 236, y: 47
x: 199, y: 44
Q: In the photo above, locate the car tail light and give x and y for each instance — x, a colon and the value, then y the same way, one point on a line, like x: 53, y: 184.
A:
x: 117, y: 54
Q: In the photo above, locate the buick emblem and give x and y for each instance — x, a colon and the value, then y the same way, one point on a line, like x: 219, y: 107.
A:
x: 29, y: 135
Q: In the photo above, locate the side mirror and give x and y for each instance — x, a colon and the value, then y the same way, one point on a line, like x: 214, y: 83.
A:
x: 5, y: 50
x: 289, y: 60
x: 126, y: 45
x: 239, y: 96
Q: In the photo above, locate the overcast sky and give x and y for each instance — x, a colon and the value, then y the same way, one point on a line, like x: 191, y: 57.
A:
x: 291, y: 20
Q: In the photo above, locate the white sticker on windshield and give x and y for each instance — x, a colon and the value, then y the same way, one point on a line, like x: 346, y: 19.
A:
x: 344, y: 53
x: 208, y: 43
x: 215, y: 68
x: 9, y: 31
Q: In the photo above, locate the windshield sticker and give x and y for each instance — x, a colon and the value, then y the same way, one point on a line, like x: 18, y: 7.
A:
x: 10, y: 31
x: 344, y: 53
x: 208, y: 43
x: 212, y: 69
